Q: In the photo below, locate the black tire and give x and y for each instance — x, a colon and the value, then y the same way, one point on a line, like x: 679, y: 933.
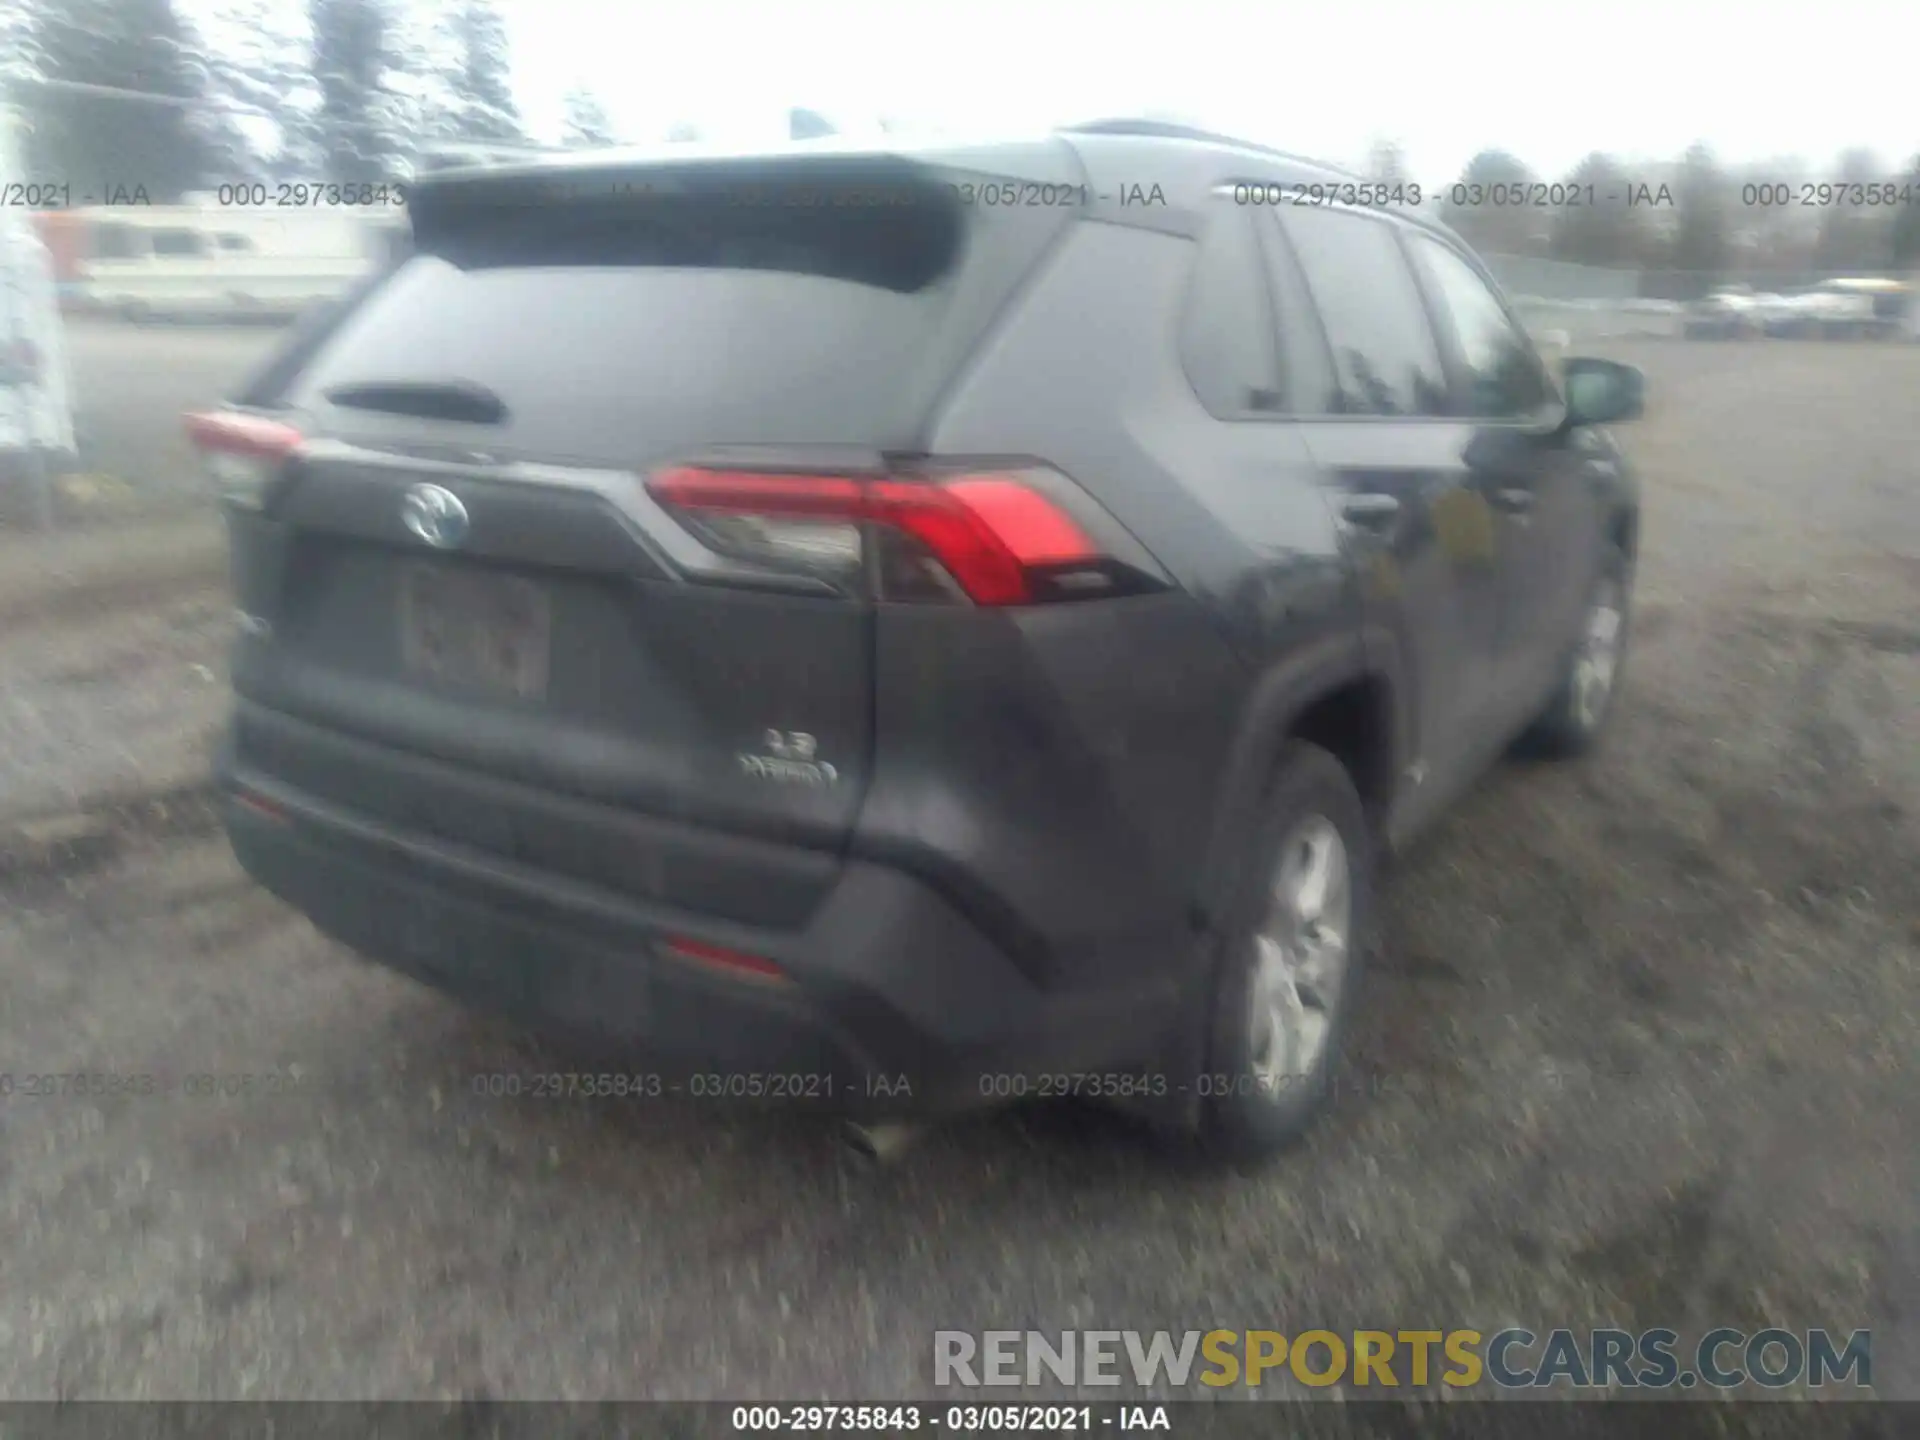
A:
x: 1567, y: 727
x: 1242, y: 1117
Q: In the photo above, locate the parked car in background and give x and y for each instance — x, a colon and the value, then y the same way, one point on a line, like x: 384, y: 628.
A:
x: 1846, y: 309
x: 1876, y: 308
x: 1005, y: 666
x: 1730, y: 314
x: 1772, y: 312
x: 1838, y: 310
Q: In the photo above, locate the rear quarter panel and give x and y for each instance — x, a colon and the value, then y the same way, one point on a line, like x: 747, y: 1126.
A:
x: 1074, y: 760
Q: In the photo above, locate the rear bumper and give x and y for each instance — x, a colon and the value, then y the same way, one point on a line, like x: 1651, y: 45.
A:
x: 892, y: 1002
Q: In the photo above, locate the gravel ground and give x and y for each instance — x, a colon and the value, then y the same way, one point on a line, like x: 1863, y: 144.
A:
x: 1640, y: 1052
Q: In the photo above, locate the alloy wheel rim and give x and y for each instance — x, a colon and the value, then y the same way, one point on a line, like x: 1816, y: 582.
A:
x: 1598, y: 658
x: 1300, y: 962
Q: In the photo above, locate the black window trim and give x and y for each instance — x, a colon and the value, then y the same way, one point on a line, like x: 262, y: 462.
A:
x: 1274, y: 353
x: 1275, y: 240
x: 1397, y: 226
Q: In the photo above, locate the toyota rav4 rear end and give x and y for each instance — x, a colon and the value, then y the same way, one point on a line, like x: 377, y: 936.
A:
x: 627, y: 644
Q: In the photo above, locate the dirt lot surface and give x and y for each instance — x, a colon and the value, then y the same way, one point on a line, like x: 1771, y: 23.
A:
x: 1641, y: 1051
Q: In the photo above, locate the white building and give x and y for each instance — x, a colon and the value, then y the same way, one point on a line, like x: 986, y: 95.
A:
x: 36, y: 411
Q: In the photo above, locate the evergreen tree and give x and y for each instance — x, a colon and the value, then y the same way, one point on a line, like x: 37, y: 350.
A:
x: 475, y: 99
x: 1854, y: 237
x: 1700, y: 241
x: 587, y: 124
x: 1597, y: 226
x: 356, y: 128
x: 262, y: 122
x: 1906, y: 222
x: 97, y: 143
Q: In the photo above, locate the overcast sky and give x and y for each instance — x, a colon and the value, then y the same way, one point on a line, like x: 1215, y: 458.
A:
x: 1548, y: 82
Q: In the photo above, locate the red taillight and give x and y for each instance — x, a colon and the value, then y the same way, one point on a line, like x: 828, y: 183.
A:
x: 230, y: 432
x: 989, y: 532
x: 718, y: 955
x: 243, y: 452
x: 260, y: 805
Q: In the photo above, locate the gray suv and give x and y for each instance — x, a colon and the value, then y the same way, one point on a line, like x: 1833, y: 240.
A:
x: 909, y: 629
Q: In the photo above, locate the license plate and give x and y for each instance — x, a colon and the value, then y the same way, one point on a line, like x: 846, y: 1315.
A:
x: 474, y: 631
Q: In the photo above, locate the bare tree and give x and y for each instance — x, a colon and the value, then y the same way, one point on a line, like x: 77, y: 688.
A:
x: 1386, y: 163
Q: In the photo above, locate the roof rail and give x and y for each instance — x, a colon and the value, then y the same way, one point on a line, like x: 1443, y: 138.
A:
x: 451, y: 155
x: 1172, y: 130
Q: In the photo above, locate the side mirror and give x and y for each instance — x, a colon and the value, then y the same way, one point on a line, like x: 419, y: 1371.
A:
x: 1602, y: 392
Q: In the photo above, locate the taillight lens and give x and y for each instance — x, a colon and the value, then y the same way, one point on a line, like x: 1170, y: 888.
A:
x: 719, y: 957
x: 993, y: 537
x: 244, y: 454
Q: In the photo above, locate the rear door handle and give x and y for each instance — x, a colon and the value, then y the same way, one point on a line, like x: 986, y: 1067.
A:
x: 1513, y: 500
x: 1370, y: 510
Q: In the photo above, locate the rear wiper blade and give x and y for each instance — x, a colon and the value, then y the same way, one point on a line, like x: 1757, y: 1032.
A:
x: 429, y: 399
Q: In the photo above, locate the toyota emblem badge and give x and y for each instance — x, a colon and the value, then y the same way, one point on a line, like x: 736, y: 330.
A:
x: 435, y: 516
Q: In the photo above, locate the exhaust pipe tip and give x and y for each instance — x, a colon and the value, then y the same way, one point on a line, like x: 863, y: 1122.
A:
x: 881, y: 1142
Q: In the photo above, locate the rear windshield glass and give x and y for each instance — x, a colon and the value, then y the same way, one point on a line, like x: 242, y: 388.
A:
x: 615, y: 329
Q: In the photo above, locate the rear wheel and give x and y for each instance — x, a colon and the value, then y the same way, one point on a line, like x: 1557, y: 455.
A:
x: 1291, y: 962
x: 1577, y: 713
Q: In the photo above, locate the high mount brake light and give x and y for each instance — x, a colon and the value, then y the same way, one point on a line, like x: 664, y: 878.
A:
x: 991, y: 532
x: 243, y: 453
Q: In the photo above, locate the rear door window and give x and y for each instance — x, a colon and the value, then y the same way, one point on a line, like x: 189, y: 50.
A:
x: 1385, y: 359
x: 1310, y: 387
x: 1226, y: 333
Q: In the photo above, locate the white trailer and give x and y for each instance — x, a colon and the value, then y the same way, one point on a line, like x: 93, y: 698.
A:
x: 209, y: 261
